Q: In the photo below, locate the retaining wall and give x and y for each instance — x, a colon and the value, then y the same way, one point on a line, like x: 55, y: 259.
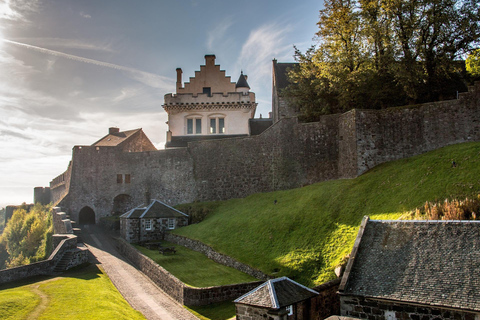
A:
x: 177, y: 289
x: 214, y: 255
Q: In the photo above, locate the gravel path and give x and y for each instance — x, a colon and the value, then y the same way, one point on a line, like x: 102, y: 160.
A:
x: 142, y: 294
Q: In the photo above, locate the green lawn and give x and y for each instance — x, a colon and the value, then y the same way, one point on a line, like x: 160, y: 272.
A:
x: 311, y: 229
x: 195, y: 269
x: 82, y: 294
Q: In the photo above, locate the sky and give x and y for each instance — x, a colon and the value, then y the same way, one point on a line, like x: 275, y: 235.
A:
x: 70, y: 69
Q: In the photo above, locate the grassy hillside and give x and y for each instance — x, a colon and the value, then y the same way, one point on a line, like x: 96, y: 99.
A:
x: 311, y: 229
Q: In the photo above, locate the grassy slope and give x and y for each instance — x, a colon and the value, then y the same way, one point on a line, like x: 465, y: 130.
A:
x: 82, y: 294
x: 195, y: 269
x: 308, y: 232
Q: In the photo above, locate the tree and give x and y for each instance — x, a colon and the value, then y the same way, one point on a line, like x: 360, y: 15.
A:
x: 27, y: 236
x: 381, y: 53
x: 472, y: 63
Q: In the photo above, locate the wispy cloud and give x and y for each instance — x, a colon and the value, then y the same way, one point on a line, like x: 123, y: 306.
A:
x: 17, y: 9
x: 217, y: 34
x: 67, y: 43
x: 147, y: 78
x: 85, y: 15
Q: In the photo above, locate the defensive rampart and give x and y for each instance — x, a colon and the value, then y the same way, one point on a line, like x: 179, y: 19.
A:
x: 287, y: 155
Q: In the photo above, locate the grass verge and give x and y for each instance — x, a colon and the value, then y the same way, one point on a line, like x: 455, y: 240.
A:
x: 195, y: 269
x: 310, y: 230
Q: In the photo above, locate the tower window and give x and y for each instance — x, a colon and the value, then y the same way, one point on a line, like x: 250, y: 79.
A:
x: 119, y: 178
x: 194, y: 126
x: 217, y: 125
x: 207, y: 90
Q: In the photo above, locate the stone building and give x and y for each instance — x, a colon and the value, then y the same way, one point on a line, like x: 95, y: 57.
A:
x: 209, y: 106
x: 413, y: 270
x: 150, y: 222
x: 280, y: 107
x: 277, y: 299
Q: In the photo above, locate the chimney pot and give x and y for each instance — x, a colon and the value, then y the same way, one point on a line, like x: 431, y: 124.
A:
x: 113, y: 130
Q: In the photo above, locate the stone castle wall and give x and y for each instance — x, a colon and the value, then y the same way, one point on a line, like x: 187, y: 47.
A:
x: 287, y: 155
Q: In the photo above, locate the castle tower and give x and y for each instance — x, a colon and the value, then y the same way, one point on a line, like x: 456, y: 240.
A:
x: 209, y: 106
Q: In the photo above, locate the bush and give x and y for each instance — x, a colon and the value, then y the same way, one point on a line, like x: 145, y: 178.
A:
x: 450, y: 210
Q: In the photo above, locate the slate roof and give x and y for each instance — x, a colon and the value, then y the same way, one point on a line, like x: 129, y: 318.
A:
x: 156, y: 209
x: 242, y: 82
x: 276, y: 294
x: 423, y: 262
x: 280, y: 72
x: 114, y: 139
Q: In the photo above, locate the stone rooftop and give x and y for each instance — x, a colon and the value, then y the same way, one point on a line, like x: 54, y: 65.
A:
x: 423, y: 262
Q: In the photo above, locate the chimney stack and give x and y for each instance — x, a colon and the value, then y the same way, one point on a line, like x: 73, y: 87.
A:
x: 147, y: 198
x: 113, y: 130
x: 179, y: 78
x: 210, y: 60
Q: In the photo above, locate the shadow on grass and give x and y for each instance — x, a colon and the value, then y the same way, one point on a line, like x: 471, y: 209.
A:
x: 85, y: 271
x: 214, y: 311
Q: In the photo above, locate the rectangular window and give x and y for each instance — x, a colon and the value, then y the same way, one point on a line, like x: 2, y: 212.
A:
x: 213, y: 125
x: 207, y: 90
x: 119, y: 178
x: 198, y: 126
x: 127, y: 178
x: 221, y: 125
x: 189, y: 126
x: 171, y: 224
x: 290, y: 310
x: 148, y: 224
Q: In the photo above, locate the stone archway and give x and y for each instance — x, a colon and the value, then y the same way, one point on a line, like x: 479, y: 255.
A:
x: 86, y: 216
x: 121, y: 204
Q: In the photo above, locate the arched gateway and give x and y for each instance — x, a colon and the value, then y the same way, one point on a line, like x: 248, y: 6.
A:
x: 86, y: 216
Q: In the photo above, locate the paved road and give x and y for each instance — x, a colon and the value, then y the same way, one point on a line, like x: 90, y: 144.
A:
x: 142, y: 294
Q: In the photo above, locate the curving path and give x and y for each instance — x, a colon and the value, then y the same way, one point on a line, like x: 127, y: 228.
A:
x: 142, y: 294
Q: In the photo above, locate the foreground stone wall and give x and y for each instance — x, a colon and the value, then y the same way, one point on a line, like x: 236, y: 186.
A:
x: 359, y: 307
x: 177, y: 289
x: 215, y: 256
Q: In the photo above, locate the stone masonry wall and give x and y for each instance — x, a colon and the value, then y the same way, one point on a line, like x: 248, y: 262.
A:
x: 215, y: 256
x: 287, y: 155
x: 371, y: 309
x: 177, y: 289
x: 327, y: 303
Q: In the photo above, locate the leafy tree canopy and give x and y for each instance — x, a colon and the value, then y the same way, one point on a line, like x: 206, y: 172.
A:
x: 373, y: 54
x: 472, y: 63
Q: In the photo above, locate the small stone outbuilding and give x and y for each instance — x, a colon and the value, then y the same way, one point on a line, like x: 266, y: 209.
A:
x: 277, y: 299
x: 413, y: 270
x: 149, y: 223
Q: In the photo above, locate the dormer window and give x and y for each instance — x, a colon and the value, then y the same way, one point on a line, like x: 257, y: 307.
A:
x: 217, y: 125
x: 194, y: 125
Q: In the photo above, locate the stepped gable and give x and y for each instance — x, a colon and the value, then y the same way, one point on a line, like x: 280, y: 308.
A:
x: 277, y: 293
x: 435, y: 263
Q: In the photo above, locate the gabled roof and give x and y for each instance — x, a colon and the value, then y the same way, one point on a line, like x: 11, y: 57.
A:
x: 276, y: 294
x: 422, y: 262
x: 242, y: 82
x: 114, y: 139
x: 156, y: 209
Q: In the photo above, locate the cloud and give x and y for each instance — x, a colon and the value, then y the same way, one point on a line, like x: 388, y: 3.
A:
x: 84, y: 15
x: 218, y: 33
x: 147, y: 78
x: 17, y: 10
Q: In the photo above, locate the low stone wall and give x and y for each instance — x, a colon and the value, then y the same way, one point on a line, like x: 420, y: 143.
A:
x: 65, y: 242
x: 177, y: 289
x: 215, y: 256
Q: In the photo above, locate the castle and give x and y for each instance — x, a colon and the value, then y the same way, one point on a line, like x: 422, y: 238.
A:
x: 216, y: 150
